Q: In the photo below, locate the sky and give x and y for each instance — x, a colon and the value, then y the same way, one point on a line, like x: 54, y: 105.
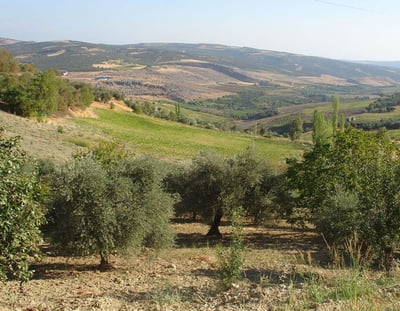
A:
x: 342, y: 29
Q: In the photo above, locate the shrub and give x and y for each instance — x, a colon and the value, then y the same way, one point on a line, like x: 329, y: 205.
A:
x: 337, y: 218
x: 366, y: 167
x: 20, y: 212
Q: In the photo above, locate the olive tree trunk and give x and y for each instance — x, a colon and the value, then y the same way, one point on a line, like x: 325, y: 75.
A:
x: 214, y: 229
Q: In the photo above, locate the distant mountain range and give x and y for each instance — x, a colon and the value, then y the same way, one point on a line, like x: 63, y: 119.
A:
x: 395, y: 64
x: 82, y: 56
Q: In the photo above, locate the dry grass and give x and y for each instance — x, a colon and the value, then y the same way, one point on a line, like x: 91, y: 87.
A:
x: 55, y: 138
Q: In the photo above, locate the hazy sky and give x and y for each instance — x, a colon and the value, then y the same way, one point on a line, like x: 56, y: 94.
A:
x: 342, y: 29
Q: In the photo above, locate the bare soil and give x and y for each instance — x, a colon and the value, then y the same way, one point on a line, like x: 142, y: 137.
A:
x: 182, y: 278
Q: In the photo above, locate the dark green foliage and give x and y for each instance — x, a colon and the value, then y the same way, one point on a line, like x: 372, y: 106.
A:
x: 43, y: 94
x: 324, y: 129
x: 178, y: 110
x: 335, y: 119
x: 338, y: 217
x: 102, y: 95
x: 99, y: 207
x: 296, y: 128
x: 105, y: 95
x: 85, y: 96
x: 150, y: 224
x: 250, y: 104
x: 365, y: 168
x: 83, y: 221
x: 390, y: 124
x: 385, y: 103
x: 252, y: 182
x: 145, y: 107
x: 20, y: 212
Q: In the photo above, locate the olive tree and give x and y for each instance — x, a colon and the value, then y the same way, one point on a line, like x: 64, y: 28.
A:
x: 213, y: 186
x: 98, y: 209
x: 201, y: 187
x: 20, y: 212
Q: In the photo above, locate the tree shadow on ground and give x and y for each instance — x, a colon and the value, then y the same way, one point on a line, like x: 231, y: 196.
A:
x: 43, y: 271
x: 280, y: 237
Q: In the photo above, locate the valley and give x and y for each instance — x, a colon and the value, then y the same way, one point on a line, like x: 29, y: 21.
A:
x: 142, y: 149
x: 199, y: 76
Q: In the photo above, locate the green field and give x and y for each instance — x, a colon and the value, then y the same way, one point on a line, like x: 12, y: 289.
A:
x: 376, y: 117
x: 174, y: 140
x: 343, y: 107
x: 192, y: 114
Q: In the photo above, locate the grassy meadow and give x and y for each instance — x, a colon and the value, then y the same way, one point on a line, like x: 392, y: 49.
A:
x: 345, y: 107
x: 174, y: 140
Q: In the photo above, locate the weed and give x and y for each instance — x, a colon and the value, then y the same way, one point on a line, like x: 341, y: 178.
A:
x: 230, y: 262
x: 352, y: 253
x: 165, y: 297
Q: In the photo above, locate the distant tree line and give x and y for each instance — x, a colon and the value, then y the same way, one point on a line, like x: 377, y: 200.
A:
x: 389, y: 124
x: 150, y: 108
x: 253, y: 104
x: 385, y: 103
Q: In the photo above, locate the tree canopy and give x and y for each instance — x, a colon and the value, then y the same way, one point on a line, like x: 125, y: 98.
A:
x: 98, y: 208
x: 212, y: 186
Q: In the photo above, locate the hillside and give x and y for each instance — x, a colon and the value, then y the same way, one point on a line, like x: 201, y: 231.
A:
x: 190, y: 71
x: 74, y: 55
x: 395, y: 64
x: 59, y: 138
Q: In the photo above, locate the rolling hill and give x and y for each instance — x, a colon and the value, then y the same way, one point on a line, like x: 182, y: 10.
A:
x: 79, y: 56
x: 395, y: 64
x: 231, y: 61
